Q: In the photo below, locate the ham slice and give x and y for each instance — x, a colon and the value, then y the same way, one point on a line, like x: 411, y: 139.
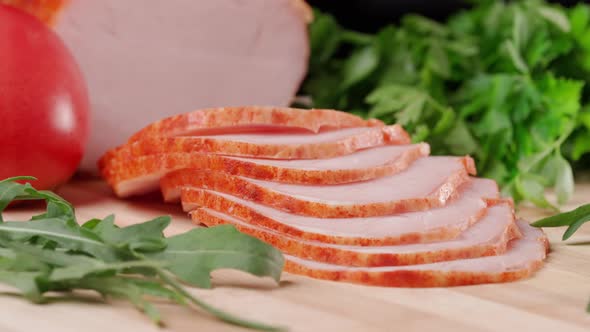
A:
x: 252, y: 119
x: 407, y: 191
x: 142, y: 174
x: 444, y: 223
x: 524, y: 257
x: 263, y: 145
x: 148, y: 59
x: 485, y: 238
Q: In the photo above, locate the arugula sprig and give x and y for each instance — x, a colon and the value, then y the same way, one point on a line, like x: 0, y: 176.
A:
x: 506, y: 82
x: 51, y: 252
x: 573, y: 219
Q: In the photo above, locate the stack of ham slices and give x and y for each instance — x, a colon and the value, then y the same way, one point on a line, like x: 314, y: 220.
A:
x: 344, y: 198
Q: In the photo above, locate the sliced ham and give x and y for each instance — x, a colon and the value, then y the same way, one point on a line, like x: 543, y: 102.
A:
x: 252, y: 119
x: 148, y: 59
x: 138, y: 175
x: 263, y: 145
x: 345, y: 199
x: 524, y: 257
x: 444, y: 223
x: 485, y: 238
x: 406, y: 191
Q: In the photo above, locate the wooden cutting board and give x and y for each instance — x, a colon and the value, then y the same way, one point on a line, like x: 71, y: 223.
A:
x: 554, y: 300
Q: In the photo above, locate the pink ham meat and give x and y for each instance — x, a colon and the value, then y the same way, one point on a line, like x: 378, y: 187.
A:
x: 523, y: 258
x: 263, y: 145
x: 148, y: 59
x: 142, y: 174
x: 252, y: 119
x: 445, y: 223
x: 407, y: 191
x: 485, y: 238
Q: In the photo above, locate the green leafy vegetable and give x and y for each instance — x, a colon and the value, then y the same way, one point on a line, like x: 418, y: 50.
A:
x: 212, y: 250
x: 573, y: 219
x: 53, y: 253
x: 506, y: 82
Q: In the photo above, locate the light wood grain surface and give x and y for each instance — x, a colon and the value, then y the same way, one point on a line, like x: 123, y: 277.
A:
x: 554, y: 300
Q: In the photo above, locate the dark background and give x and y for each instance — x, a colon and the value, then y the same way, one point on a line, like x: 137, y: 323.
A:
x: 370, y: 15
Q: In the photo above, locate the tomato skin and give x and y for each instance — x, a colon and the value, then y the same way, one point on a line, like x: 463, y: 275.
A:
x: 44, y: 105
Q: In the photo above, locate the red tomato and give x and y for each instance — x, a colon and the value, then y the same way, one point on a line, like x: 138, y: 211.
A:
x: 44, y: 107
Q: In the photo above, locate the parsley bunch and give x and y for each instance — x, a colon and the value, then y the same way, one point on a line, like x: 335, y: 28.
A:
x: 503, y: 82
x: 51, y: 252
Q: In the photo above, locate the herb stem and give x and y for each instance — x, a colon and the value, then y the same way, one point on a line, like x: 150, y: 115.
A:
x: 222, y: 315
x: 357, y: 38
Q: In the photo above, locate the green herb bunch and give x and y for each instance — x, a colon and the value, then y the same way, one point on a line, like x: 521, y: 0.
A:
x: 503, y: 82
x: 51, y: 252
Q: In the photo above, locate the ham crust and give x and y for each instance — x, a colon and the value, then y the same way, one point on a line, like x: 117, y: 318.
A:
x: 524, y: 257
x: 48, y: 10
x: 251, y: 119
x: 441, y: 224
x: 343, y: 143
x: 45, y: 10
x: 140, y: 175
x: 304, y: 9
x: 501, y: 221
x: 456, y: 173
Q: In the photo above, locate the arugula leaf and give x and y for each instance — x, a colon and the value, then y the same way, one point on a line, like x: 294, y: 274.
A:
x: 78, y: 271
x: 56, y: 206
x: 52, y: 252
x: 573, y: 228
x: 42, y: 258
x: 26, y: 282
x: 193, y: 255
x: 147, y: 236
x: 10, y: 190
x: 573, y: 219
x: 58, y: 230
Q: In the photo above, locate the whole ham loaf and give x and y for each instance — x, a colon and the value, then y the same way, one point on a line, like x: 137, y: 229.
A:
x: 148, y: 59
